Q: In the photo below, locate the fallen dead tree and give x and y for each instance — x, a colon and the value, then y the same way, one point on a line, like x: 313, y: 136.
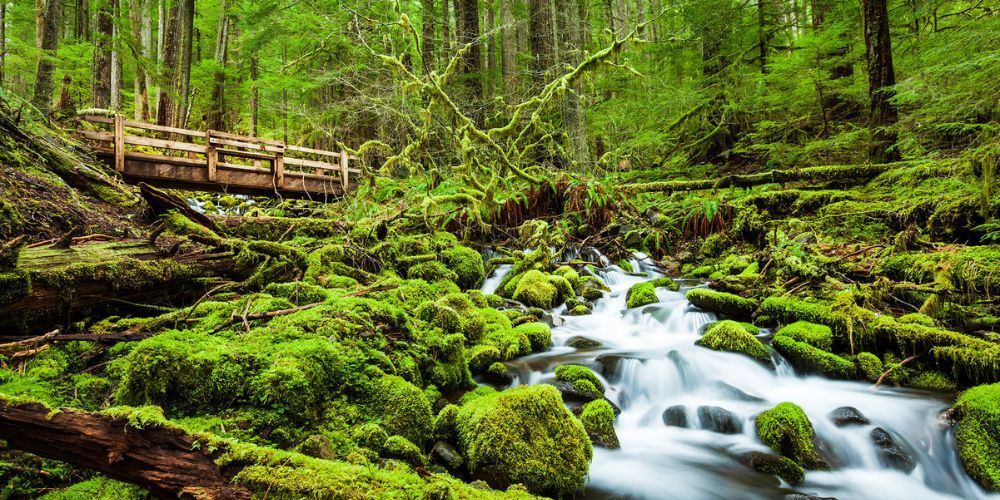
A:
x: 808, y: 174
x: 164, y: 460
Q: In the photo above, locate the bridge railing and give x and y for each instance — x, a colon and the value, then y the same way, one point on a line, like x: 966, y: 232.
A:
x: 215, y: 149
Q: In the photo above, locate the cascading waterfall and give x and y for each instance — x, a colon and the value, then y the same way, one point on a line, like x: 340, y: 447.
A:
x: 649, y: 363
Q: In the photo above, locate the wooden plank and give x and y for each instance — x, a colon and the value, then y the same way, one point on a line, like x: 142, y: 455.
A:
x: 246, y: 145
x: 160, y: 143
x: 161, y: 128
x: 98, y: 119
x: 213, y: 157
x: 300, y: 149
x: 119, y: 144
x: 247, y: 138
x: 174, y: 160
x: 248, y: 154
x: 279, y: 172
x: 299, y: 162
x: 343, y: 170
x: 95, y: 135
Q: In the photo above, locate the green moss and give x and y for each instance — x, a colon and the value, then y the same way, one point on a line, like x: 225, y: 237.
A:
x: 626, y: 266
x: 535, y: 290
x: 599, y: 420
x: 641, y: 294
x: 14, y: 285
x: 446, y: 424
x: 807, y: 358
x: 573, y: 373
x: 467, y: 265
x: 730, y: 336
x: 666, y: 282
x: 787, y: 310
x: 98, y: 488
x: 401, y: 408
x: 550, y: 456
x: 932, y: 381
x: 978, y: 434
x: 777, y: 465
x: 401, y: 448
x: 721, y: 303
x: 370, y: 435
x: 786, y: 429
x: 917, y: 318
x: 869, y: 366
x: 431, y: 271
x: 818, y: 336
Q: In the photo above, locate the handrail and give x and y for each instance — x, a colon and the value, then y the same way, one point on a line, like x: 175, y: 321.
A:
x: 218, y: 144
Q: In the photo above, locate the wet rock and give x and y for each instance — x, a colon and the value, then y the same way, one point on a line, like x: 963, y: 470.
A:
x: 446, y: 455
x: 732, y: 392
x: 581, y: 342
x: 769, y: 463
x: 573, y: 394
x: 609, y: 364
x: 318, y: 446
x: 848, y: 415
x: 805, y: 496
x: 718, y: 419
x: 675, y: 416
x: 890, y: 454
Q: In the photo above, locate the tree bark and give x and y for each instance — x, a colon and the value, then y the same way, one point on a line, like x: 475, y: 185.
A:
x: 101, y: 70
x: 49, y: 17
x: 541, y: 38
x: 116, y: 59
x: 491, y: 46
x: 3, y: 41
x: 165, y: 103
x: 881, y: 78
x: 216, y: 114
x: 574, y: 117
x: 254, y: 95
x: 427, y: 34
x: 185, y: 20
x: 469, y: 34
x: 81, y: 20
x: 165, y: 461
x: 446, y: 45
x: 141, y: 41
x: 508, y: 48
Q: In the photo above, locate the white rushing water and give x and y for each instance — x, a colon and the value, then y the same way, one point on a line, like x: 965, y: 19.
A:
x: 659, y: 366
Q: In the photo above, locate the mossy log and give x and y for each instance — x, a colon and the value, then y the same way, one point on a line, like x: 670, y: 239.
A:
x: 161, y: 459
x: 808, y: 174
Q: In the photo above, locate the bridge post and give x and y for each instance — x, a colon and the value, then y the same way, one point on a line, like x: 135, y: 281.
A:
x: 343, y: 170
x: 211, y: 156
x: 279, y: 170
x: 119, y: 143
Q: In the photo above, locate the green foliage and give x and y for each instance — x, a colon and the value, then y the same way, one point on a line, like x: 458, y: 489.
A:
x: 550, y: 456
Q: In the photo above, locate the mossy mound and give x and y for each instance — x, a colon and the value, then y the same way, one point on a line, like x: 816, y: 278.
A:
x: 786, y: 429
x: 641, y: 294
x: 576, y: 373
x: 777, y: 465
x: 525, y: 435
x: 807, y: 358
x: 535, y: 290
x: 730, y: 336
x: 722, y: 303
x: 818, y: 336
x: 599, y: 420
x: 869, y: 366
x: 978, y: 434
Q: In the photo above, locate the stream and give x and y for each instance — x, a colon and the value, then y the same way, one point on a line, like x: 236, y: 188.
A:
x: 649, y: 362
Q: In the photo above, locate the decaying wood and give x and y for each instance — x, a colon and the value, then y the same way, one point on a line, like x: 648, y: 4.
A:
x: 165, y: 461
x: 162, y: 202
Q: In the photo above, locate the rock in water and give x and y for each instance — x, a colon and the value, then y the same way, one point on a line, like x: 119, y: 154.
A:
x: 769, y: 463
x: 718, y: 419
x: 581, y: 342
x: 848, y: 415
x: 891, y: 454
x: 675, y: 416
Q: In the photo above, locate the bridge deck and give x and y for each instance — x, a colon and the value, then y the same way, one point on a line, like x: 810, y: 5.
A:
x: 219, y: 161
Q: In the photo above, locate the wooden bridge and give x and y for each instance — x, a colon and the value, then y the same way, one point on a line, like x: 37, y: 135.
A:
x: 218, y: 161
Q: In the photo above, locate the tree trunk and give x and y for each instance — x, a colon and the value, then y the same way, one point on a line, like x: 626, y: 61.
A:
x: 49, y: 18
x: 254, y: 96
x: 3, y: 40
x: 491, y: 46
x: 541, y: 38
x: 446, y: 45
x: 185, y: 20
x: 81, y: 20
x: 101, y: 74
x: 116, y: 60
x: 881, y: 78
x: 427, y: 34
x: 139, y: 17
x: 763, y: 38
x: 469, y: 34
x: 163, y: 460
x: 165, y: 103
x: 569, y: 49
x: 508, y: 48
x: 217, y: 111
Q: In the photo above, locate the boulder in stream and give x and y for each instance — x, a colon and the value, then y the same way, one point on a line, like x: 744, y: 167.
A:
x: 787, y: 430
x: 598, y: 419
x: 848, y: 415
x: 769, y: 463
x: 891, y: 454
x: 675, y: 416
x: 722, y: 303
x: 718, y: 419
x: 581, y: 342
x: 731, y: 337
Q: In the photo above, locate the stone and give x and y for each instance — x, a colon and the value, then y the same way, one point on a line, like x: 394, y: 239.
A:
x: 446, y: 455
x: 890, y: 453
x: 848, y: 415
x: 581, y: 342
x: 718, y: 419
x: 675, y: 416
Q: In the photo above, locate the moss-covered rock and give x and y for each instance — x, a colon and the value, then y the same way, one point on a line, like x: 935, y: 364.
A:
x: 467, y: 265
x: 641, y: 294
x: 722, y: 303
x: 401, y: 408
x: 818, y: 336
x: 786, y: 429
x: 401, y: 448
x: 535, y: 290
x: 730, y: 336
x: 978, y: 433
x: 574, y: 373
x: 539, y: 334
x: 525, y: 435
x: 598, y: 419
x: 869, y: 366
x: 777, y: 465
x: 807, y: 358
x: 932, y: 380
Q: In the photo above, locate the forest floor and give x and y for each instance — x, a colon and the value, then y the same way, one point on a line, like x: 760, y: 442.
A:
x: 289, y: 349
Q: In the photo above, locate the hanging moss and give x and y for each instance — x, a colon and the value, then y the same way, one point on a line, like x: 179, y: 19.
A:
x: 786, y: 429
x: 550, y: 456
x: 978, y: 434
x: 722, y: 303
x: 730, y: 336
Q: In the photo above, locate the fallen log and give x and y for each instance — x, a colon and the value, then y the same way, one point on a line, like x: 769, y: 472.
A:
x: 808, y: 174
x: 164, y: 460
